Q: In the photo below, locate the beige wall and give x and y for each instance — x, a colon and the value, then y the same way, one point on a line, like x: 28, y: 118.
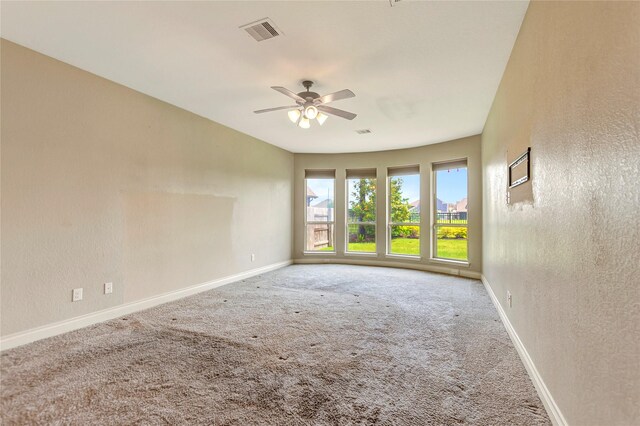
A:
x: 424, y: 156
x: 101, y: 183
x: 570, y: 255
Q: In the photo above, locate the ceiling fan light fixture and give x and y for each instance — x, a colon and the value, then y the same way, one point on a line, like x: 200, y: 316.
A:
x: 294, y: 115
x: 304, y: 123
x: 321, y: 118
x: 311, y: 112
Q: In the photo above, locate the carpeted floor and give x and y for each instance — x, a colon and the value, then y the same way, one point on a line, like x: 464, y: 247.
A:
x: 304, y: 345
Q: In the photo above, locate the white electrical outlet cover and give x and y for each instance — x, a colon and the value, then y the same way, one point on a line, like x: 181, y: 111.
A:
x: 108, y: 288
x: 76, y: 295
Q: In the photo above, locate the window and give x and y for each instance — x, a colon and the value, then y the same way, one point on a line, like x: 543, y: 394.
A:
x: 404, y: 211
x: 319, y: 210
x: 450, y: 211
x: 361, y: 211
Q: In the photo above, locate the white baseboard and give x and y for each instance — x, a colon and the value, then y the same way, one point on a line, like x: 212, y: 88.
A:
x: 543, y: 392
x: 388, y: 264
x: 24, y: 337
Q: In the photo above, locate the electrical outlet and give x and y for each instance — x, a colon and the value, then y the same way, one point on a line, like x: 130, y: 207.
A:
x: 509, y: 298
x: 108, y: 288
x: 76, y: 295
x: 253, y: 257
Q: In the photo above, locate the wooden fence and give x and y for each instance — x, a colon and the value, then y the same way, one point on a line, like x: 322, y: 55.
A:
x: 319, y: 235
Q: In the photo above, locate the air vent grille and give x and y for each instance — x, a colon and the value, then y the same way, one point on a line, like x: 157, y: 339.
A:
x: 363, y: 131
x: 261, y: 30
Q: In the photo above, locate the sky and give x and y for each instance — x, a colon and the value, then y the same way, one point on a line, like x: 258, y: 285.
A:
x: 411, y: 187
x: 451, y: 186
x: 323, y: 189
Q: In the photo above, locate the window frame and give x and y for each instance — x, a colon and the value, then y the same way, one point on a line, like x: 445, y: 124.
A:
x: 390, y: 223
x: 434, y: 211
x: 347, y: 223
x: 332, y: 223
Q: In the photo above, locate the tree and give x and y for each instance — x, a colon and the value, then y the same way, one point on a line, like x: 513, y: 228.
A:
x: 399, y: 208
x: 363, y: 207
x: 399, y: 205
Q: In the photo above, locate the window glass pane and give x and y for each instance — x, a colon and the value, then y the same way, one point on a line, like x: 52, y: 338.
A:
x: 361, y: 196
x: 451, y: 196
x: 451, y: 209
x: 320, y: 237
x: 404, y: 198
x: 361, y: 238
x: 320, y: 200
x: 451, y: 242
x: 405, y: 240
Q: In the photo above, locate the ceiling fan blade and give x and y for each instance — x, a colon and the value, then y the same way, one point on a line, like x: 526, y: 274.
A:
x: 331, y: 97
x: 337, y: 112
x: 288, y: 93
x: 260, y: 111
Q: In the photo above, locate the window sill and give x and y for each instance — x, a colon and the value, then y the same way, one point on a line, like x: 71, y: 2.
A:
x: 404, y: 256
x: 316, y: 253
x: 360, y: 254
x: 450, y: 262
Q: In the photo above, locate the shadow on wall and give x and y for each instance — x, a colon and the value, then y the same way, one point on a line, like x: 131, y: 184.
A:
x: 165, y: 247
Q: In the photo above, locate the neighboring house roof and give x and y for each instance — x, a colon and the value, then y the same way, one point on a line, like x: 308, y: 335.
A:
x: 324, y: 204
x: 415, y: 206
x: 461, y: 205
x: 311, y: 194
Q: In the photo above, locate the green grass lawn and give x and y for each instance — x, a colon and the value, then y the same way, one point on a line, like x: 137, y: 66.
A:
x: 447, y: 248
x: 362, y: 247
x: 452, y: 249
x: 410, y: 246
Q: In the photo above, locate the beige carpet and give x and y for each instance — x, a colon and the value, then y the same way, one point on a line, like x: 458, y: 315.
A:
x: 303, y: 345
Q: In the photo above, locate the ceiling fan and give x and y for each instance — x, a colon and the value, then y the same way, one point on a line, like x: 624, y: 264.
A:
x: 310, y: 105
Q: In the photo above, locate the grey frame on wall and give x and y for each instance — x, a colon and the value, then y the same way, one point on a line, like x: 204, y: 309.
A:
x: 522, y: 161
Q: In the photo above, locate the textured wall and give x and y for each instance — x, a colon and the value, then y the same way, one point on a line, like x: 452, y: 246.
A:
x: 101, y: 183
x: 571, y: 254
x: 461, y: 148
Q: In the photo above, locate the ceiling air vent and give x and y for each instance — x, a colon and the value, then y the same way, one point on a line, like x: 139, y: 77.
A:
x: 363, y: 131
x: 262, y: 29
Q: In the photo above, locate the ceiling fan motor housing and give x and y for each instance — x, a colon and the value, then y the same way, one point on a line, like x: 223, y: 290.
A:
x: 309, y: 96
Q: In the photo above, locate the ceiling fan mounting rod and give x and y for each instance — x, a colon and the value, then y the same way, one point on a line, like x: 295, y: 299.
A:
x: 307, y: 84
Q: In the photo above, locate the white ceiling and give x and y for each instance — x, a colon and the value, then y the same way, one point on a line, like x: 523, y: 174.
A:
x: 422, y: 72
